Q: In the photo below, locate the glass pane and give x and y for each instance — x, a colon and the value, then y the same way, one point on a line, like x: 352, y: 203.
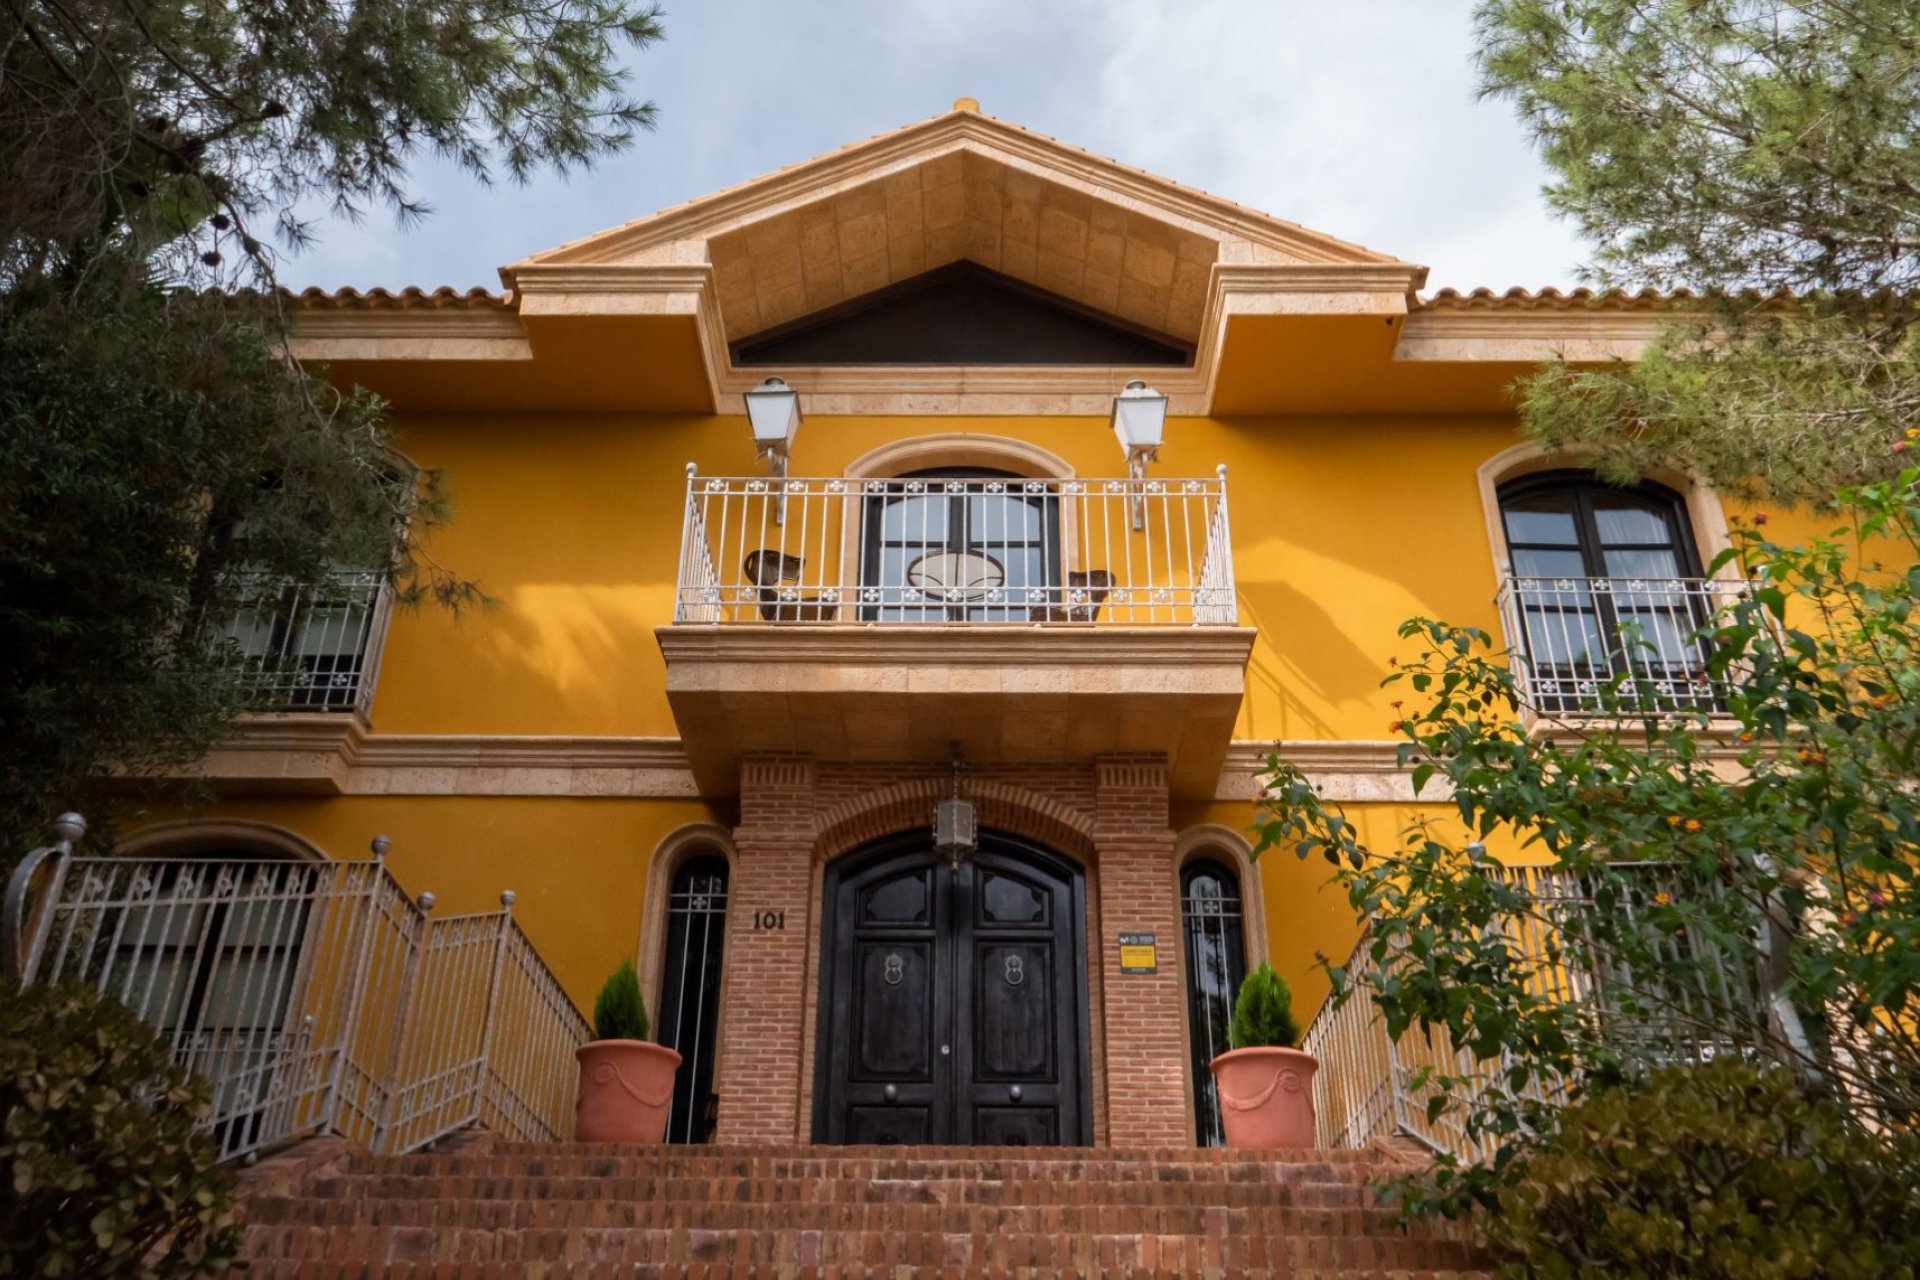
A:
x: 1661, y: 564
x: 914, y: 519
x: 1554, y: 527
x: 1620, y: 522
x: 991, y: 518
x: 1563, y: 636
x: 1548, y: 564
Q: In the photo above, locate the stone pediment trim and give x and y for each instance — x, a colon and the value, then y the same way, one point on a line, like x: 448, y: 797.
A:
x: 732, y: 208
x: 328, y: 755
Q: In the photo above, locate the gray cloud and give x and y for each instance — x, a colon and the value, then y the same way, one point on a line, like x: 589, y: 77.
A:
x: 1358, y: 119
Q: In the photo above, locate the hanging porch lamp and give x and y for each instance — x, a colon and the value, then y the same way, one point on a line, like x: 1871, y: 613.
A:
x: 956, y: 825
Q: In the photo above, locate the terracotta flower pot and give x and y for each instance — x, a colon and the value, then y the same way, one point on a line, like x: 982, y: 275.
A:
x: 626, y: 1090
x: 1266, y: 1098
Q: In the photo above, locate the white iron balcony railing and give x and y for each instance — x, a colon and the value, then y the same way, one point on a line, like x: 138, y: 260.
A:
x: 313, y: 997
x: 1000, y: 551
x: 1370, y: 1084
x: 1570, y: 637
x: 309, y: 648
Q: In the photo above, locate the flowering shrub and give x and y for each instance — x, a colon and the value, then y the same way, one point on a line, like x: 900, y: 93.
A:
x: 1744, y: 877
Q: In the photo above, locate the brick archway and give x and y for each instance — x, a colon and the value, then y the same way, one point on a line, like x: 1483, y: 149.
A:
x: 901, y: 806
x: 797, y: 815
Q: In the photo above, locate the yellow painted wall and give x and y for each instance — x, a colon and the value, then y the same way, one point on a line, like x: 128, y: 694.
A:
x: 1343, y: 527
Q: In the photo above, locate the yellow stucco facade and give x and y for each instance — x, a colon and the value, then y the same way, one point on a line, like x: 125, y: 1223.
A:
x: 533, y: 744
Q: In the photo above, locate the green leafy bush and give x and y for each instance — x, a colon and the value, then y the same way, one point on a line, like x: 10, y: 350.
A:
x: 1723, y: 1172
x: 620, y: 1013
x: 102, y: 1171
x: 1263, y: 1013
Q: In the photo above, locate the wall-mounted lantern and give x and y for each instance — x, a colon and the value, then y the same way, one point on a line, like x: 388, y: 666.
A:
x: 1140, y: 423
x: 773, y: 411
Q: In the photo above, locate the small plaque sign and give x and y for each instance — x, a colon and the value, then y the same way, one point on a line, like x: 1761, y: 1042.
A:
x: 1138, y: 954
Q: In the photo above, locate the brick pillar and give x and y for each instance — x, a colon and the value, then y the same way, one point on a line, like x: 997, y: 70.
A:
x: 1144, y: 1014
x: 763, y: 1009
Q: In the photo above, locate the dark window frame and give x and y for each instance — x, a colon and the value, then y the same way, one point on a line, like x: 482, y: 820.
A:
x: 1205, y: 1039
x: 1535, y: 607
x: 696, y: 881
x: 957, y: 540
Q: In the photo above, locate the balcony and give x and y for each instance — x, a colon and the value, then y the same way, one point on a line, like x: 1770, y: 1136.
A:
x: 1026, y: 618
x: 312, y: 648
x: 1570, y: 637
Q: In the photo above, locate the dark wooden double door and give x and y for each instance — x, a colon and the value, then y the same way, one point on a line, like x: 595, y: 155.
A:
x: 954, y: 998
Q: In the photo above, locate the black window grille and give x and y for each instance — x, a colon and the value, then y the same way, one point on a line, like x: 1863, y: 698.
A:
x: 690, y: 991
x: 1216, y: 963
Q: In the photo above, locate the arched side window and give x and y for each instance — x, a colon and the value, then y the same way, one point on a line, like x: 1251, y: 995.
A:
x: 1606, y: 581
x: 209, y: 929
x: 690, y: 990
x: 959, y: 544
x: 1216, y: 952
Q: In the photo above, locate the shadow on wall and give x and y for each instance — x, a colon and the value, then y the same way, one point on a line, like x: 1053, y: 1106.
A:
x: 1292, y: 623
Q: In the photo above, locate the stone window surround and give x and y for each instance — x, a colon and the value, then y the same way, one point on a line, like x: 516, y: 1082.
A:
x: 1704, y: 511
x: 693, y: 840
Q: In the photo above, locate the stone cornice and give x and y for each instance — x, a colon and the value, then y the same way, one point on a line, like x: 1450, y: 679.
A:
x: 331, y: 755
x: 958, y: 645
x: 1526, y: 336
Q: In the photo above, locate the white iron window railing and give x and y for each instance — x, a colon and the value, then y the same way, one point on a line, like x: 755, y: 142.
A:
x: 309, y: 648
x: 314, y: 997
x: 1368, y: 1085
x: 1002, y: 551
x: 1570, y: 636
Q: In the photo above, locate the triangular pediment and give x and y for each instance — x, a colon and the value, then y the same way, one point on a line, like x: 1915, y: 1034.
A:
x: 960, y: 187
x: 960, y: 314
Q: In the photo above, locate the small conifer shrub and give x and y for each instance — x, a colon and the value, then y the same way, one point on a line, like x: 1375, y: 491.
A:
x: 1263, y: 1013
x: 620, y: 1013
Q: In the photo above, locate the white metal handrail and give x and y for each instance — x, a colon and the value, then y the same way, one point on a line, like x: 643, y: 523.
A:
x: 314, y: 997
x: 1569, y: 637
x: 1369, y: 1085
x: 309, y: 648
x: 1004, y: 551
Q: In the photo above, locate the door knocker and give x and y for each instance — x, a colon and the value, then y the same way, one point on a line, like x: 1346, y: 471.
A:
x: 895, y: 970
x: 1016, y: 971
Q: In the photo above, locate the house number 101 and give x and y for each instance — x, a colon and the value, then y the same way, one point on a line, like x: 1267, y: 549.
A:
x: 769, y: 919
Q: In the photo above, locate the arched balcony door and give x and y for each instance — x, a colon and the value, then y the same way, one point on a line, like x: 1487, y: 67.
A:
x: 1606, y: 582
x: 959, y: 544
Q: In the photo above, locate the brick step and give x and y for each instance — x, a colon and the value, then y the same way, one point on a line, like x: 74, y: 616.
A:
x: 483, y: 1149
x: 787, y: 1252
x: 1279, y: 1167
x: 1169, y: 1264
x: 520, y: 1215
x: 491, y: 1211
x: 935, y: 1190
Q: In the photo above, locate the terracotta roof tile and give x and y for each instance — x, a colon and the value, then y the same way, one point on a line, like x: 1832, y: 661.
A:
x: 411, y: 298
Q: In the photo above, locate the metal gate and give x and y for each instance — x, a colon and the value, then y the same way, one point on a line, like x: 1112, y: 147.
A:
x: 314, y: 997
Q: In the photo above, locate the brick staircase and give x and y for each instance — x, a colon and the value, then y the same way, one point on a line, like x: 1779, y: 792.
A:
x: 481, y: 1208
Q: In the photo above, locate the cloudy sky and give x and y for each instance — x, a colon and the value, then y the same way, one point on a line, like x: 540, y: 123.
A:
x: 1357, y: 118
